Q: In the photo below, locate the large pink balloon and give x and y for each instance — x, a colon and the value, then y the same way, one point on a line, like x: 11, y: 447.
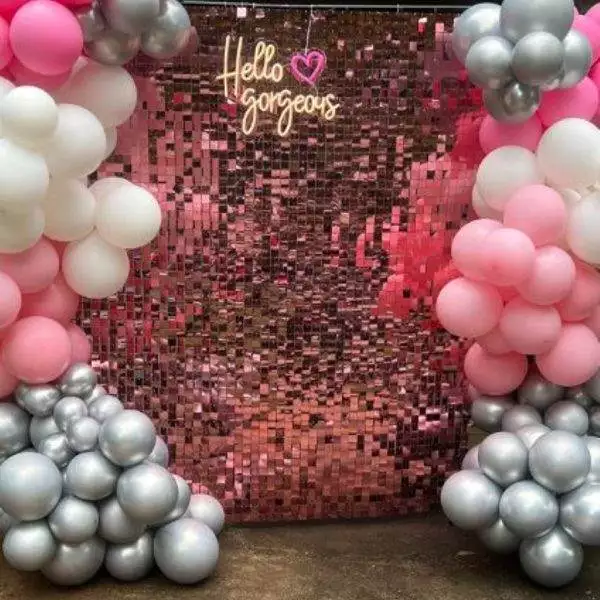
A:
x: 466, y: 246
x: 494, y: 134
x: 8, y: 382
x: 578, y: 102
x: 591, y: 30
x: 468, y: 308
x: 24, y: 76
x: 34, y: 269
x: 530, y: 329
x: 10, y: 300
x: 494, y: 342
x: 58, y: 302
x: 584, y: 295
x: 492, y: 374
x: 574, y: 358
x: 593, y: 321
x: 507, y: 257
x: 80, y: 345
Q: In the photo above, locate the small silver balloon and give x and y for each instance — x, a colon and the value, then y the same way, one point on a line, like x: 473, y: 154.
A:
x: 498, y: 538
x: 592, y: 387
x: 91, y: 21
x: 488, y: 62
x: 91, y: 476
x: 538, y: 392
x: 514, y: 104
x: 186, y: 551
x: 170, y: 32
x: 73, y: 520
x: 503, y: 458
x: 593, y: 446
x: 113, y: 48
x: 537, y: 58
x: 82, y: 434
x: 6, y: 522
x: 131, y: 17
x: 29, y: 546
x: 127, y: 438
x: 104, y: 407
x: 147, y: 493
x: 38, y: 400
x: 206, y: 508
x: 487, y: 412
x: 520, y: 416
x: 469, y: 499
x: 96, y: 393
x: 560, y: 461
x: 78, y: 380
x: 594, y: 417
x: 518, y: 18
x: 579, y: 396
x: 578, y: 59
x: 74, y: 564
x: 14, y: 429
x: 133, y: 561
x: 57, y: 449
x: 552, y: 560
x: 473, y: 24
x: 40, y: 428
x: 67, y: 409
x: 471, y: 460
x: 160, y: 453
x: 567, y: 416
x: 184, y: 494
x: 530, y: 434
x: 30, y: 486
x: 116, y: 526
x: 580, y: 514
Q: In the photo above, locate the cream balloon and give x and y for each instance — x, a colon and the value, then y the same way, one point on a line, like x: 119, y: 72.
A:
x: 104, y: 187
x: 482, y: 210
x: 18, y: 232
x: 582, y: 231
x: 111, y: 141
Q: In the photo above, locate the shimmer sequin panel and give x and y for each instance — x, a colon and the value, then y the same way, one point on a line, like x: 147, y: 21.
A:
x: 280, y: 329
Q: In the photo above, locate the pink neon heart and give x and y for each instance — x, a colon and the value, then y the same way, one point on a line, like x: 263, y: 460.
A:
x: 306, y: 68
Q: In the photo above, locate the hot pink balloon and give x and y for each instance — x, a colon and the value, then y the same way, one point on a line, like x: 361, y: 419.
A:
x: 9, y: 7
x: 58, y: 301
x: 594, y: 13
x: 580, y: 101
x: 8, y: 382
x: 36, y: 350
x: 507, y: 257
x: 591, y: 30
x: 24, y: 76
x: 494, y: 342
x: 539, y: 212
x: 10, y: 300
x: 75, y: 3
x: 466, y: 246
x: 494, y: 134
x: 34, y: 269
x: 494, y: 374
x: 574, y: 358
x: 80, y: 345
x: 593, y: 321
x: 5, y: 49
x: 468, y: 308
x: 584, y: 295
x: 552, y: 277
x: 46, y: 37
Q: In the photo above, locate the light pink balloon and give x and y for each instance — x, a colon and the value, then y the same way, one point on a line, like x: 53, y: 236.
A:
x: 34, y: 269
x: 507, y: 257
x: 591, y: 30
x: 552, y: 277
x: 80, y: 345
x: 594, y: 13
x: 494, y: 342
x: 584, y: 295
x: 494, y: 134
x: 507, y: 293
x: 580, y: 101
x: 574, y: 358
x: 58, y: 301
x: 468, y: 308
x: 466, y: 246
x: 10, y: 300
x: 8, y: 382
x: 593, y: 321
x: 494, y: 374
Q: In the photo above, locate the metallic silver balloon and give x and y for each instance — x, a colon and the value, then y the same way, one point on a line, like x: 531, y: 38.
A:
x: 14, y: 429
x: 567, y: 416
x: 538, y: 392
x: 41, y: 428
x: 594, y: 417
x: 113, y: 48
x: 184, y: 494
x: 469, y: 499
x: 91, y: 20
x: 593, y: 445
x: 537, y: 58
x: 503, y: 458
x: 73, y: 520
x: 475, y: 23
x: 488, y: 62
x: 552, y: 560
x: 131, y: 17
x: 29, y: 546
x: 487, y: 412
x: 471, y: 460
x: 169, y: 34
x: 580, y: 396
x: 6, y: 522
x: 38, y: 400
x: 515, y: 103
x: 74, y: 564
x: 91, y: 476
x: 498, y: 538
x: 160, y: 453
x: 580, y: 514
x: 57, y: 449
x: 530, y: 434
x: 104, y: 407
x: 133, y: 561
x: 207, y: 509
x: 577, y: 61
x: 127, y: 438
x: 147, y: 493
x: 592, y: 387
x: 520, y: 416
x: 30, y: 486
x: 116, y: 526
x: 78, y: 380
x: 560, y: 461
x: 186, y: 551
x: 68, y: 409
x: 96, y: 393
x: 518, y: 18
x: 82, y: 434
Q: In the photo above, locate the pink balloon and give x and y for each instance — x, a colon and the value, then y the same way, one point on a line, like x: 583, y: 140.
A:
x: 494, y: 374
x: 580, y: 101
x: 75, y: 2
x: 466, y: 246
x: 530, y: 329
x: 507, y: 257
x: 46, y: 37
x: 5, y: 49
x: 34, y: 269
x: 8, y: 382
x: 468, y: 308
x: 36, y: 350
x: 594, y: 13
x: 9, y: 7
x: 552, y: 277
x: 494, y: 134
x: 58, y: 301
x: 539, y: 212
x: 10, y: 300
x: 574, y: 358
x: 593, y: 321
x: 507, y: 293
x: 591, y: 30
x: 494, y: 342
x: 80, y: 345
x: 24, y: 76
x: 584, y: 295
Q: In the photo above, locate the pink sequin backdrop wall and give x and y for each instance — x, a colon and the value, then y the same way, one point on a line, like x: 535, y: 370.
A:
x: 279, y: 331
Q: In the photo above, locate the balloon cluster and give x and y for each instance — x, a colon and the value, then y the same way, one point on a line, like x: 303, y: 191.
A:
x: 520, y: 49
x: 533, y: 485
x: 84, y: 483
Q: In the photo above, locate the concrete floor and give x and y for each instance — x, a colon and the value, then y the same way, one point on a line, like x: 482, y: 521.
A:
x: 409, y: 559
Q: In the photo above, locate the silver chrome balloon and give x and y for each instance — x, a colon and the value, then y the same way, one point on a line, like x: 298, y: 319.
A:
x: 530, y: 434
x: 538, y: 392
x: 104, y: 407
x: 79, y: 380
x: 471, y: 460
x: 593, y: 445
x: 74, y: 564
x: 73, y: 520
x: 473, y: 24
x: 131, y: 17
x: 91, y: 476
x: 579, y: 396
x: 169, y: 34
x: 580, y: 514
x: 68, y: 409
x: 552, y: 560
x: 91, y: 21
x: 40, y: 428
x: 186, y: 551
x: 6, y: 522
x: 82, y: 434
x: 29, y: 546
x: 38, y: 400
x: 127, y: 438
x: 520, y: 416
x: 578, y: 59
x: 206, y: 508
x: 14, y: 429
x: 133, y: 561
x: 594, y: 417
x: 115, y: 525
x: 487, y: 412
x: 498, y: 538
x: 57, y: 449
x: 537, y: 58
x: 592, y: 387
x: 113, y: 48
x: 184, y: 494
x: 518, y: 18
x: 160, y: 453
x: 488, y: 62
x: 503, y: 458
x: 521, y: 100
x: 96, y: 393
x: 567, y: 416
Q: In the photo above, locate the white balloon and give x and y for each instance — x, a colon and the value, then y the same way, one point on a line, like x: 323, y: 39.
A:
x: 24, y: 178
x: 583, y: 229
x: 18, y: 232
x: 569, y: 154
x: 29, y: 116
x: 505, y: 170
x: 104, y: 187
x: 108, y: 92
x: 571, y: 197
x: 70, y: 210
x: 111, y: 141
x: 94, y: 268
x: 482, y: 210
x: 128, y: 217
x: 78, y: 145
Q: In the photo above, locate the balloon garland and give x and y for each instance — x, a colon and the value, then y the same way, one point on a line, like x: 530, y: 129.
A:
x: 529, y: 292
